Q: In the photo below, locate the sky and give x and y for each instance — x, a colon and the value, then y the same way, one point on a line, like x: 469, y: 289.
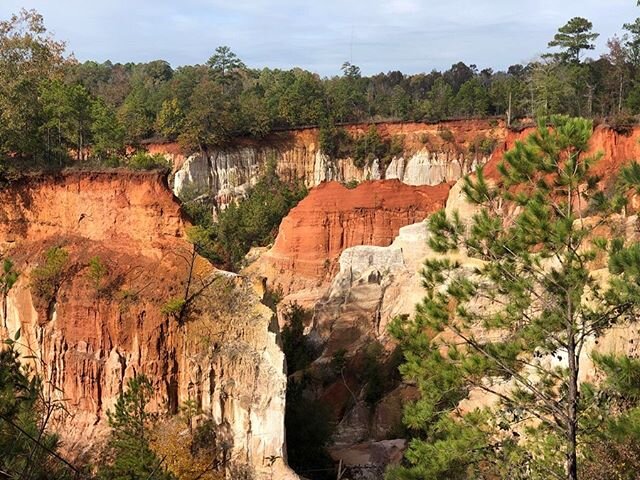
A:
x: 319, y: 35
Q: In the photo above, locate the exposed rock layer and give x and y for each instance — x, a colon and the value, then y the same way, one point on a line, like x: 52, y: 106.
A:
x: 374, y: 283
x: 432, y: 154
x: 332, y: 218
x: 90, y: 338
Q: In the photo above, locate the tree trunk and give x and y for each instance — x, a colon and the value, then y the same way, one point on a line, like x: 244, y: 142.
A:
x: 620, y: 95
x: 572, y: 398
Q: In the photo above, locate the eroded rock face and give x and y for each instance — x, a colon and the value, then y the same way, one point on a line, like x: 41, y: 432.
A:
x: 432, y: 154
x: 333, y: 218
x: 90, y: 337
x: 373, y: 283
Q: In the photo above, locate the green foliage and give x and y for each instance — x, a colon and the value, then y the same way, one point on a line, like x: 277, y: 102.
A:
x: 97, y: 273
x: 128, y: 447
x: 224, y: 63
x: 107, y: 134
x: 438, y: 104
x: 144, y: 161
x: 47, y: 277
x: 29, y: 59
x: 55, y: 110
x: 622, y: 375
x: 446, y: 135
x: 371, y: 146
x: 528, y: 295
x: 136, y: 114
x: 198, y: 206
x: 27, y: 446
x: 632, y: 42
x: 170, y: 119
x: 613, y: 414
x: 335, y: 142
x: 8, y: 276
x: 188, y: 411
x: 251, y: 222
x: 296, y: 348
x: 68, y: 109
x: 574, y: 37
x: 472, y: 99
x: 483, y: 145
x: 173, y: 307
x: 209, y: 120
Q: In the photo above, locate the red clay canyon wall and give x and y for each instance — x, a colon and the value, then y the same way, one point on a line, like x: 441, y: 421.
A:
x: 89, y: 339
x: 332, y: 218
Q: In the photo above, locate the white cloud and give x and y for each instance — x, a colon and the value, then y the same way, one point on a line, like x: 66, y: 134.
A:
x: 407, y: 35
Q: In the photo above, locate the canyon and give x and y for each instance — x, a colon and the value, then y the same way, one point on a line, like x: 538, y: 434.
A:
x: 349, y: 256
x: 86, y: 340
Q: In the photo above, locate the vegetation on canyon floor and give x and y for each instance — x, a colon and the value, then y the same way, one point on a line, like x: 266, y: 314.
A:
x: 53, y: 108
x: 513, y: 324
x: 251, y: 222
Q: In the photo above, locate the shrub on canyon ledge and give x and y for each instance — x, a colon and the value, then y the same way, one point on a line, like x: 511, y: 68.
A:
x: 146, y: 161
x: 447, y: 135
x: 336, y: 143
x: 97, y: 273
x: 371, y: 146
x: 483, y: 145
x: 47, y: 277
x: 173, y: 306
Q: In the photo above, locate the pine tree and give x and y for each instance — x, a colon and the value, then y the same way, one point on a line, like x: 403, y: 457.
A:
x: 512, y: 322
x: 129, y: 445
x: 28, y: 449
x: 574, y: 37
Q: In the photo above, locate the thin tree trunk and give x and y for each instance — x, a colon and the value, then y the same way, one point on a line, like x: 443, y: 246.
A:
x: 572, y: 399
x: 590, y: 89
x: 572, y: 388
x: 620, y: 95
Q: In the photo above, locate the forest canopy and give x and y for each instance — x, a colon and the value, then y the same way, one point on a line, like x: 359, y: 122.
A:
x: 54, y: 109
